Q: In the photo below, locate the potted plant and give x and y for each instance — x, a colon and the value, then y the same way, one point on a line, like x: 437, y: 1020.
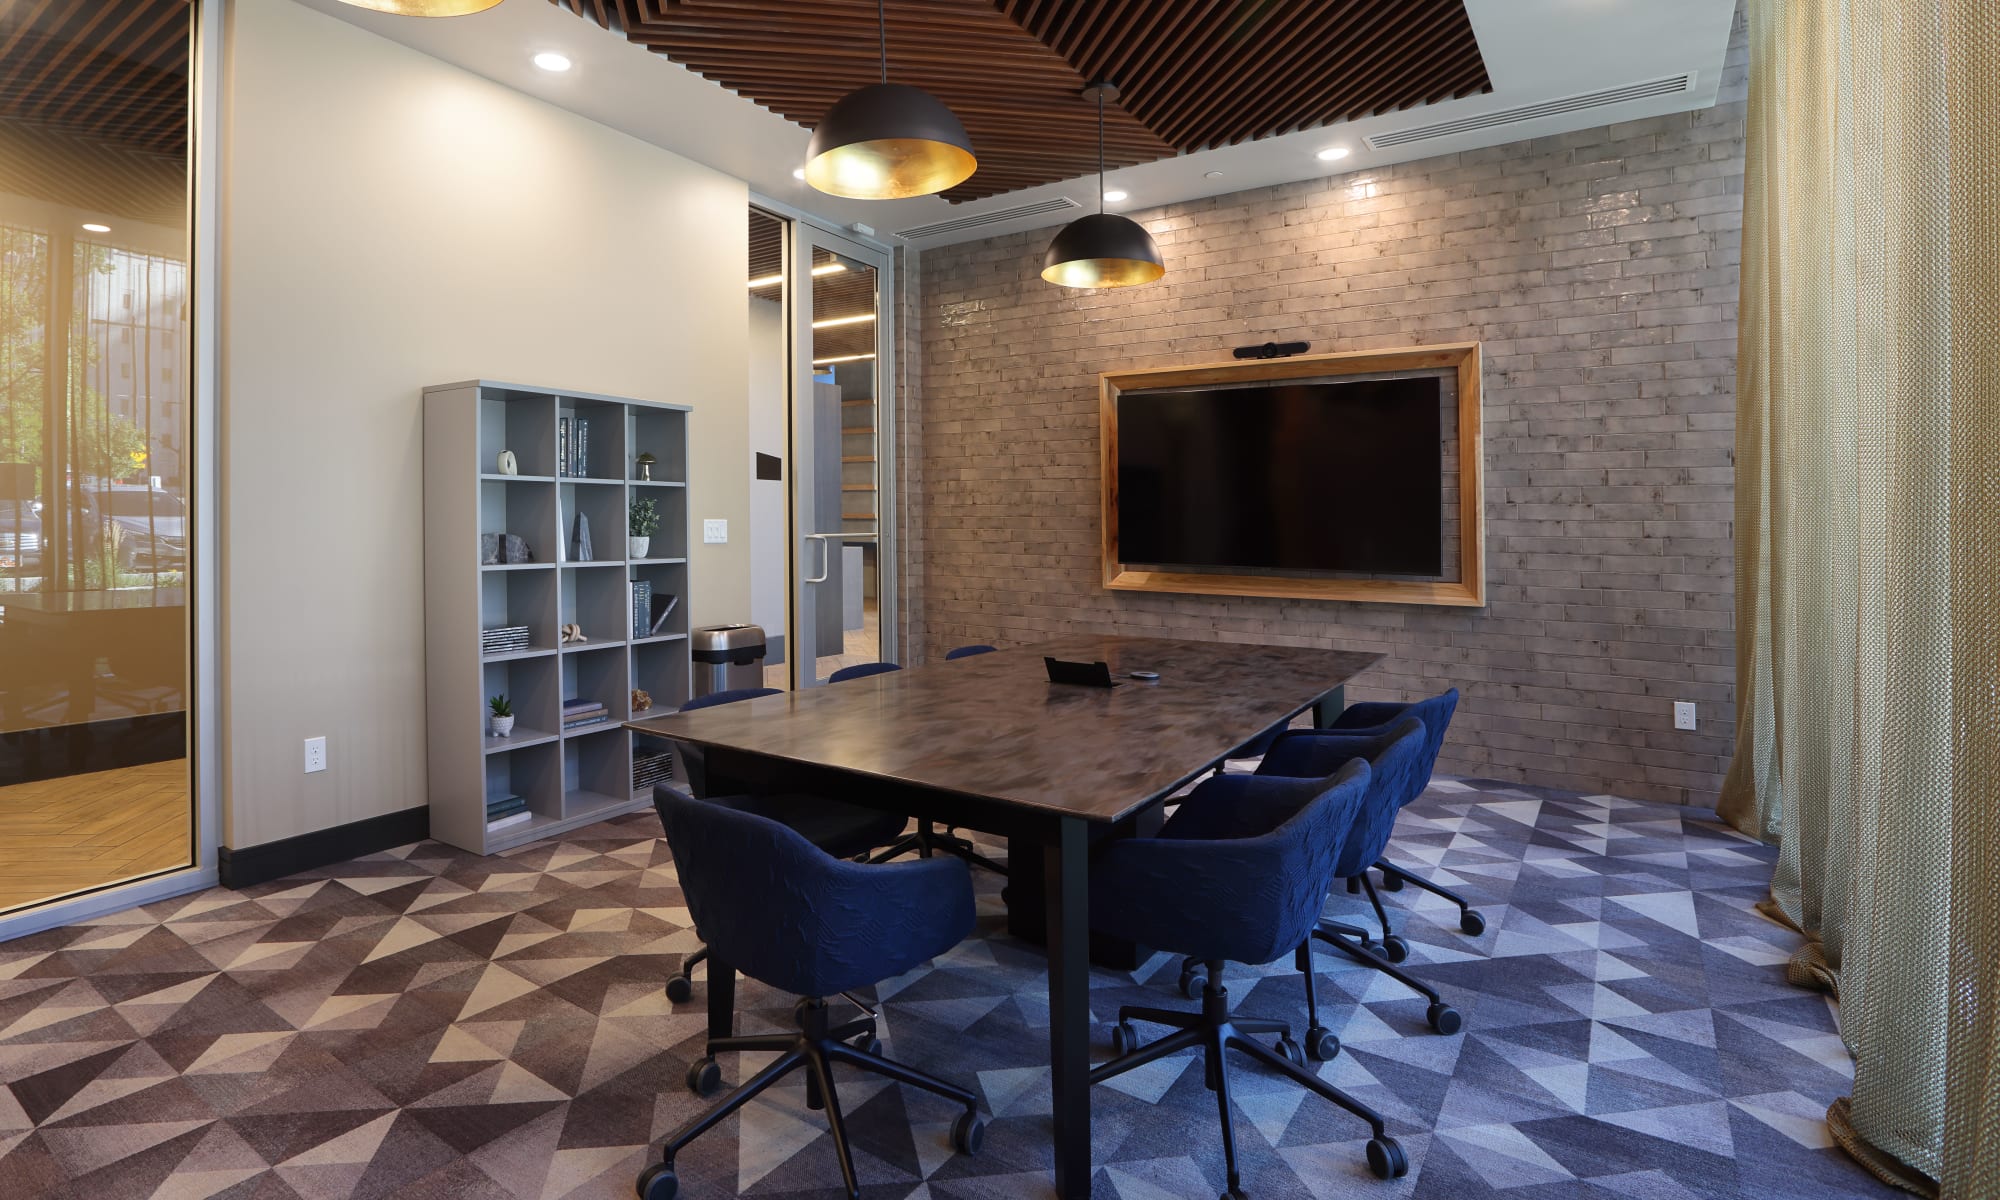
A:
x: 645, y: 522
x: 503, y: 715
x: 646, y: 461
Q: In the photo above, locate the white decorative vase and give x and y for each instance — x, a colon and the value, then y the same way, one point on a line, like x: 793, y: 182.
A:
x: 636, y: 547
x: 503, y: 726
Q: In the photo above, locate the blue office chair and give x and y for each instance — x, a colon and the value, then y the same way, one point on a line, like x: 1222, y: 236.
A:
x: 1373, y: 718
x: 862, y: 671
x: 841, y: 829
x: 968, y: 651
x: 1237, y: 874
x: 1398, y: 772
x: 785, y: 913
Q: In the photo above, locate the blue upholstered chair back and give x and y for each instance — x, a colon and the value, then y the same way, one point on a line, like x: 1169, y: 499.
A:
x: 729, y: 697
x: 1231, y: 893
x: 1435, y: 713
x: 1398, y: 774
x: 862, y: 671
x: 772, y: 905
x: 968, y: 651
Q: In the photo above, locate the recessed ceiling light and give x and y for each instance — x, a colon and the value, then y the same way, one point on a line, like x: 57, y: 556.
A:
x: 832, y: 322
x: 94, y: 227
x: 1331, y: 153
x: 549, y: 60
x: 1211, y: 174
x: 841, y: 358
x: 1114, y: 196
x: 798, y: 172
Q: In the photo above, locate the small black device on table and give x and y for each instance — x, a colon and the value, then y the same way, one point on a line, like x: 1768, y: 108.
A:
x: 1084, y: 674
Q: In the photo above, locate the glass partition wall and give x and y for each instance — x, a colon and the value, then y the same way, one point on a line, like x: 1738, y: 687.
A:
x: 95, y: 468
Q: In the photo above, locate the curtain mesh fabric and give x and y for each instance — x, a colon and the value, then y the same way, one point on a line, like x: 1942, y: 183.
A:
x: 1868, y: 549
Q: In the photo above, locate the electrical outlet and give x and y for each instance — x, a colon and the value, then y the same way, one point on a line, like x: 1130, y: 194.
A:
x: 315, y: 754
x: 1683, y: 714
x: 715, y: 529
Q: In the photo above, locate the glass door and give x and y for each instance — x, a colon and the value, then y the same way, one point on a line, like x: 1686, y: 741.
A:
x: 840, y: 336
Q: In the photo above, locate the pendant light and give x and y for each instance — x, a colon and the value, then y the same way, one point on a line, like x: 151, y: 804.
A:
x: 1103, y: 250
x: 425, y: 8
x: 888, y: 140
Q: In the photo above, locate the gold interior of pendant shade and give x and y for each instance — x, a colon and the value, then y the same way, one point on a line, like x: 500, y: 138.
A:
x: 1103, y: 272
x: 425, y: 8
x: 890, y: 168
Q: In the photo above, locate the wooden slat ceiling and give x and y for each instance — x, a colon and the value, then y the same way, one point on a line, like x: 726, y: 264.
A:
x: 1193, y: 73
x: 840, y: 294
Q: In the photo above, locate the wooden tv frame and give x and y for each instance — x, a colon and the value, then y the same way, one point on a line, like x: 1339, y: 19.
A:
x: 1468, y: 591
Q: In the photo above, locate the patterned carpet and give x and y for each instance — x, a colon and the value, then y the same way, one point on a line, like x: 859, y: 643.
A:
x: 429, y: 1024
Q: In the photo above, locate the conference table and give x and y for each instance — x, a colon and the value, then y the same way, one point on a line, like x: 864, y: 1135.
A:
x: 988, y: 743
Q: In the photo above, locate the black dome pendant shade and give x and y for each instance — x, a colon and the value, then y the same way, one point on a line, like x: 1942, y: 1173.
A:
x: 888, y: 141
x: 1102, y: 250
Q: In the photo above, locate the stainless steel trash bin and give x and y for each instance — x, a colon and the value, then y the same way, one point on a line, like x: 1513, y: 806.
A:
x: 726, y: 657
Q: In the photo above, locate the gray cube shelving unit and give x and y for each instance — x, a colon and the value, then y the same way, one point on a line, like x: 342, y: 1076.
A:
x: 568, y: 778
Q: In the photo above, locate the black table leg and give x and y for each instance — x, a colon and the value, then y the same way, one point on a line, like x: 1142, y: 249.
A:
x: 1066, y: 864
x: 721, y: 997
x: 1328, y: 710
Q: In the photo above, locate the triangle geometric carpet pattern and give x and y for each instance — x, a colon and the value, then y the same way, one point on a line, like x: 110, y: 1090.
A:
x: 430, y: 1024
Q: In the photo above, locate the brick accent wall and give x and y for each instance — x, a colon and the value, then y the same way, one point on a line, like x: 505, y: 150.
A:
x: 1599, y: 269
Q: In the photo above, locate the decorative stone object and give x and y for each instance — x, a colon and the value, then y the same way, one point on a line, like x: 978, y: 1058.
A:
x: 580, y: 543
x: 640, y: 700
x: 572, y: 634
x: 507, y: 463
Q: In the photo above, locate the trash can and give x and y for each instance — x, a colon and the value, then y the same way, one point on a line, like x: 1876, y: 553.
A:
x: 726, y: 657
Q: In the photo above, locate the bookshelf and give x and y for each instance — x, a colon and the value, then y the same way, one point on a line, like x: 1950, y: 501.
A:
x: 565, y: 777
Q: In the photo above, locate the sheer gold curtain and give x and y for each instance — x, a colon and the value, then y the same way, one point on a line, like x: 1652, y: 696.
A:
x: 1868, y: 553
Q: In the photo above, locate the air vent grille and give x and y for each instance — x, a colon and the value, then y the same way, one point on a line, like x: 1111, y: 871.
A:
x: 1039, y: 208
x: 1668, y: 86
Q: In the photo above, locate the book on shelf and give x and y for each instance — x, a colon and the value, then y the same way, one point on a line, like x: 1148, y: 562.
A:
x: 662, y: 605
x: 562, y: 446
x: 642, y: 602
x: 505, y: 808
x: 519, y: 818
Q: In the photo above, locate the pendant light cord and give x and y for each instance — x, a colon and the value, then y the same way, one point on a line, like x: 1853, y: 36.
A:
x: 882, y: 33
x: 1100, y: 150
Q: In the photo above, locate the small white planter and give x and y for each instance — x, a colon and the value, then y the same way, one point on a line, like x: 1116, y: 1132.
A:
x: 636, y: 547
x: 503, y: 726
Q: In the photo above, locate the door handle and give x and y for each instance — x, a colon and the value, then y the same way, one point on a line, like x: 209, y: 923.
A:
x: 825, y: 541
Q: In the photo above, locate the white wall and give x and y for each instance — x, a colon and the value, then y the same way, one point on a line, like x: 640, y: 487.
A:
x: 390, y: 222
x: 768, y: 496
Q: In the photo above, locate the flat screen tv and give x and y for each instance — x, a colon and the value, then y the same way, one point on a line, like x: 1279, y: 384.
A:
x: 1319, y: 476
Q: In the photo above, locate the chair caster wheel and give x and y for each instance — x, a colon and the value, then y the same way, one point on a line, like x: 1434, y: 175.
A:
x: 1191, y: 985
x: 1395, y: 949
x: 704, y: 1078
x: 867, y: 1043
x: 1471, y: 923
x: 1321, y: 1045
x: 1443, y: 1018
x: 967, y: 1133
x: 1124, y: 1039
x: 1386, y: 1159
x: 679, y: 988
x: 1391, y: 882
x: 1293, y: 1052
x: 657, y: 1182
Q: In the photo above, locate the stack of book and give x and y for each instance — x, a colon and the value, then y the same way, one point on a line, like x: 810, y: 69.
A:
x: 506, y: 639
x: 503, y: 811
x: 578, y: 713
x: 650, y: 767
x: 572, y: 446
x: 642, y: 610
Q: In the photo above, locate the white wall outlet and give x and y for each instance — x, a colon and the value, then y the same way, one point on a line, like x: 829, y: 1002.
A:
x: 1683, y: 714
x: 315, y: 754
x: 715, y: 529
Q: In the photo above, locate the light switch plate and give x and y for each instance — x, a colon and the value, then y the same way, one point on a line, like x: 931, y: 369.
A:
x: 715, y: 529
x: 1683, y: 714
x: 315, y: 755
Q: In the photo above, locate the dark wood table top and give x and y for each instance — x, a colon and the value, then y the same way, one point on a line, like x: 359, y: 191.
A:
x: 994, y: 727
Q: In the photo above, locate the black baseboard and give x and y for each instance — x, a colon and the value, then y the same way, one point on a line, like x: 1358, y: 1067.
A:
x: 273, y: 860
x: 56, y: 751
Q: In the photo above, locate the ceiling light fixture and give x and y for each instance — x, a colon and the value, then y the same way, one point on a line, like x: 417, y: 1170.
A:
x: 888, y: 140
x: 798, y: 172
x: 94, y: 227
x: 549, y: 60
x: 764, y: 281
x: 841, y: 358
x: 424, y: 8
x: 834, y: 322
x: 1334, y: 153
x: 1114, y: 196
x: 1102, y: 250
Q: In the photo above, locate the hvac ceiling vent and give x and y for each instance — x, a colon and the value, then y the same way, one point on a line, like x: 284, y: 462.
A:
x: 1669, y: 86
x: 1040, y: 208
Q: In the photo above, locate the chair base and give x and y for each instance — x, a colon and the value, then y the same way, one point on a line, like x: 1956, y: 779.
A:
x: 815, y: 1047
x: 927, y: 841
x: 1470, y: 922
x: 1215, y: 1031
